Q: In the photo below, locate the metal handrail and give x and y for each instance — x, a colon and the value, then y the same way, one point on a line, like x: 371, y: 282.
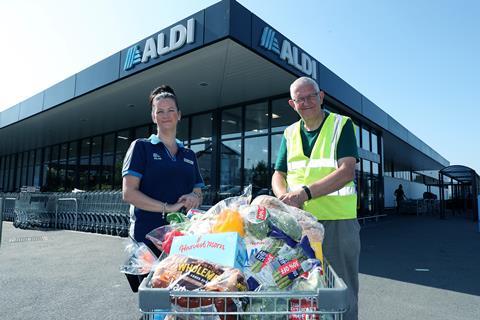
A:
x: 76, y: 210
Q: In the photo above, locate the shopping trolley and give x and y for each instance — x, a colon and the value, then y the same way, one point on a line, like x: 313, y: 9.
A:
x: 329, y: 303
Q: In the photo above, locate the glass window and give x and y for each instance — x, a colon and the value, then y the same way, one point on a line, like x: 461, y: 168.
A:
x: 31, y: 167
x: 142, y: 132
x: 231, y: 123
x: 276, y: 140
x: 52, y: 179
x: 108, y: 164
x: 22, y: 169
x: 95, y: 164
x: 204, y: 158
x: 282, y: 115
x: 366, y: 166
x: 62, y: 164
x: 83, y: 169
x: 182, y: 130
x: 201, y: 128
x: 374, y: 143
x: 365, y: 139
x: 20, y: 172
x: 256, y: 119
x: 256, y: 162
x: 357, y: 133
x: 2, y: 172
x: 230, y: 168
x: 38, y: 168
x: 12, y: 173
x: 123, y: 142
x: 71, y: 171
x: 46, y: 163
x: 375, y: 168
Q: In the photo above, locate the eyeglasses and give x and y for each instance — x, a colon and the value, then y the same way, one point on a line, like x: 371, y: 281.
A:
x: 310, y: 97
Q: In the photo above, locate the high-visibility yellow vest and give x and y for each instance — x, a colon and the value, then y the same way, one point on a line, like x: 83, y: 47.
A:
x: 338, y: 205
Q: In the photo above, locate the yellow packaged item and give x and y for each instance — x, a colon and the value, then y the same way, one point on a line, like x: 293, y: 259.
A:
x: 229, y: 221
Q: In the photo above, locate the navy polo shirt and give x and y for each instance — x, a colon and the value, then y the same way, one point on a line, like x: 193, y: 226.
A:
x: 163, y: 176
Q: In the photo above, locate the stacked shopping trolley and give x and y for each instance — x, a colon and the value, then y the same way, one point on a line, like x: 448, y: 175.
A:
x: 98, y: 211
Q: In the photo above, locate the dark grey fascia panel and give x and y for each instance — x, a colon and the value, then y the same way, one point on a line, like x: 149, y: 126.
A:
x: 240, y: 23
x: 217, y: 21
x: 100, y: 74
x: 339, y: 89
x: 374, y: 113
x: 228, y: 18
x: 10, y: 115
x: 414, y: 141
x: 59, y: 93
x: 397, y: 129
x: 31, y: 106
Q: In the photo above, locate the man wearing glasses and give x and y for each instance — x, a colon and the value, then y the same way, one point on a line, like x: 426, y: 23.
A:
x: 315, y: 171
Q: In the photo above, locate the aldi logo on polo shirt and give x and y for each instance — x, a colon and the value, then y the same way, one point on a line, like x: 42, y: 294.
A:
x: 156, y: 156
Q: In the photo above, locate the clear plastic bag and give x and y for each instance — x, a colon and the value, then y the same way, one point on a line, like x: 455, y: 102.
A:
x: 140, y: 259
x: 162, y: 237
x: 203, y: 223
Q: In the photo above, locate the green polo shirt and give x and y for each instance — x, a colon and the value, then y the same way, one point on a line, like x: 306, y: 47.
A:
x: 346, y: 147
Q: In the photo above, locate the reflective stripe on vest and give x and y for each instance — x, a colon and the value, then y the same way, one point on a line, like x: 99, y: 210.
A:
x: 341, y: 204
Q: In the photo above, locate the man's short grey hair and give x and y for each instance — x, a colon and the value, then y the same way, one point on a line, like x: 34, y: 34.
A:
x: 302, y: 81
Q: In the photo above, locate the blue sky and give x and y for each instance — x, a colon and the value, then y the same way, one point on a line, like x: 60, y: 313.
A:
x: 417, y: 60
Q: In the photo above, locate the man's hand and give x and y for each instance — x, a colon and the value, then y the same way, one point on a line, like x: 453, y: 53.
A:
x: 294, y: 198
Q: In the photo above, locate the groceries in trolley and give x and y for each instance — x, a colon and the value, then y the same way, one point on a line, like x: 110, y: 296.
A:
x: 240, y: 245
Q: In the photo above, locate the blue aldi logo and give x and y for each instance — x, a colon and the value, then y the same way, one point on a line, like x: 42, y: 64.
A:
x: 161, y: 44
x: 134, y: 56
x: 269, y: 41
x: 288, y: 52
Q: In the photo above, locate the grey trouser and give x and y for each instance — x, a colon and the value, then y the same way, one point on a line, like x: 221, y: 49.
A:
x: 341, y: 247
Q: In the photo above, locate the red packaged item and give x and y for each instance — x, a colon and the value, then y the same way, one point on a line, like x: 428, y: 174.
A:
x: 303, y: 305
x: 167, y: 242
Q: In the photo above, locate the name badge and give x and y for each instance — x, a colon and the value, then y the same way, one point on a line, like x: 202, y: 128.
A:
x: 188, y: 161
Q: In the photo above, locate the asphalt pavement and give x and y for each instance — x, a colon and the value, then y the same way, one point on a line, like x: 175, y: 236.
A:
x: 412, y: 267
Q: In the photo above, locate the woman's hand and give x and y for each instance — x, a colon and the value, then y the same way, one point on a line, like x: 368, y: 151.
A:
x: 190, y: 201
x: 174, y: 207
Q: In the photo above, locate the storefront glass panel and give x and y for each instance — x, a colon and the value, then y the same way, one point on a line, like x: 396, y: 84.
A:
x: 95, y: 164
x: 256, y: 163
x: 276, y: 140
x: 256, y: 119
x: 72, y: 166
x: 230, y: 168
x: 83, y: 169
x: 123, y: 142
x: 201, y: 128
x: 231, y: 123
x: 365, y: 139
x: 282, y: 115
x: 108, y: 165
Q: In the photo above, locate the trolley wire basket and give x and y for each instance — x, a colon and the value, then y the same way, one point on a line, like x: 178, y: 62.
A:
x: 328, y: 303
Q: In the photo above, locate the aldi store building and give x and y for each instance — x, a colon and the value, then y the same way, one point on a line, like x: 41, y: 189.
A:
x: 231, y: 72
